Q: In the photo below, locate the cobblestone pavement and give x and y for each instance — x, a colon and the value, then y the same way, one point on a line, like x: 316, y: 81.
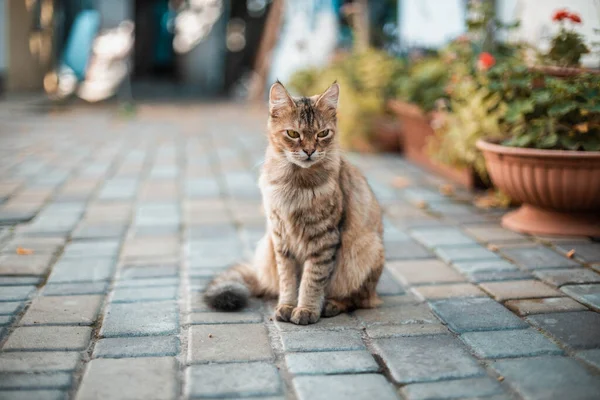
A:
x: 111, y: 229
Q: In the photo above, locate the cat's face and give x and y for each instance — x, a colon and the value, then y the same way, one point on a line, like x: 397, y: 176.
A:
x: 303, y: 129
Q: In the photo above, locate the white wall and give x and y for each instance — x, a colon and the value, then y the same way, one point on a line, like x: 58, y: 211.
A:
x: 430, y: 23
x: 536, y: 20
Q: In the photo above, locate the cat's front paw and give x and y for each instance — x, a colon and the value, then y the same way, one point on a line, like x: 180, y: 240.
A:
x: 304, y: 316
x: 283, y: 312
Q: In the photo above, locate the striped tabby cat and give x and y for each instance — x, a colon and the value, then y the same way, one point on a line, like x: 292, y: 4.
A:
x: 323, y: 250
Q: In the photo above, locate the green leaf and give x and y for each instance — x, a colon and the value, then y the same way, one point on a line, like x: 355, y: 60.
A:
x: 593, y: 108
x: 560, y: 109
x: 542, y: 96
x: 548, y: 141
x: 518, y: 108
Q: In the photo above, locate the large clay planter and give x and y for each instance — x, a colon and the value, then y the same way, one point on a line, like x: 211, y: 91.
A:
x: 416, y: 131
x: 559, y: 190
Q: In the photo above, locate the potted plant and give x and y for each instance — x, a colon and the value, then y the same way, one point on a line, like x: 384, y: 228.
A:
x: 551, y: 160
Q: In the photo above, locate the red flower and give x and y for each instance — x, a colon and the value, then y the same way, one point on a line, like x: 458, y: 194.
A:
x: 486, y: 61
x: 575, y: 18
x: 560, y: 15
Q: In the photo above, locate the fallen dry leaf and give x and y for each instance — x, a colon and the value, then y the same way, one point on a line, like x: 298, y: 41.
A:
x: 447, y: 189
x: 500, y: 378
x: 24, y: 252
x: 400, y: 182
x: 492, y: 247
x: 210, y: 335
x: 571, y: 253
x: 421, y: 204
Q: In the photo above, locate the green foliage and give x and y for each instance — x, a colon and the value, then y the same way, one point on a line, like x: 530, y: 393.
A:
x: 424, y: 82
x: 566, y: 49
x: 367, y: 80
x: 476, y: 114
x: 556, y: 113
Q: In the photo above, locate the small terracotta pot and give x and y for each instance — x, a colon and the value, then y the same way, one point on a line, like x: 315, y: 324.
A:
x: 559, y: 190
x: 386, y: 133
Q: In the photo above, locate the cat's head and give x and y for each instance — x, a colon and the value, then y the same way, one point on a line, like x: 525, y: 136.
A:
x: 303, y: 128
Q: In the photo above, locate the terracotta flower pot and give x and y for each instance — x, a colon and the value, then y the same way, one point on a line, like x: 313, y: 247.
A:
x: 386, y: 134
x: 559, y: 190
x: 416, y: 131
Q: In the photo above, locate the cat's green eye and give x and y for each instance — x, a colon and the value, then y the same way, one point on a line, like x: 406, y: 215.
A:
x: 323, y: 134
x: 293, y: 134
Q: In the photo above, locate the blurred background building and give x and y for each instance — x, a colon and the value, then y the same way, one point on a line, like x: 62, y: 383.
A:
x: 208, y: 48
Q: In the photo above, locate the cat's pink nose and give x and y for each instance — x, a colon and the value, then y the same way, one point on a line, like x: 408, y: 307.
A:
x: 309, y: 152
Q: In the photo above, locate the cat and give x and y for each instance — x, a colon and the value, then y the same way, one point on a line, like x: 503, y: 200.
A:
x: 323, y: 250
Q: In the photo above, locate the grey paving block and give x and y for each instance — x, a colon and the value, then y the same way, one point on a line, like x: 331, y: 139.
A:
x: 568, y: 276
x: 16, y: 293
x: 577, y: 330
x: 543, y: 306
x: 141, y: 319
x: 586, y: 294
x: 513, y: 343
x: 426, y: 358
x: 459, y: 388
x: 10, y: 217
x: 301, y: 341
x: 255, y: 379
x: 591, y: 357
x: 452, y: 254
x: 548, y: 378
x: 99, y: 232
x: 385, y: 331
x: 92, y: 249
x: 351, y: 387
x: 10, y: 307
x: 476, y: 314
x: 33, y: 264
x: 74, y: 289
x: 64, y: 310
x: 407, y: 250
x: 33, y: 395
x: 404, y: 314
x: 138, y: 294
x: 62, y: 338
x: 130, y: 378
x: 228, y: 343
x: 37, y: 361
x: 538, y: 257
x: 470, y: 267
x: 435, y: 237
x: 331, y: 362
x: 243, y: 317
x: 587, y: 251
x: 147, y: 282
x: 149, y: 271
x: 71, y: 270
x: 142, y: 346
x: 36, y: 380
x: 19, y: 280
x: 498, y: 276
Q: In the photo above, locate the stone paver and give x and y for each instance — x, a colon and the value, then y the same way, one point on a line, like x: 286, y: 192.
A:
x: 538, y: 257
x: 548, y: 378
x: 130, y: 378
x: 578, y: 330
x: 426, y: 358
x: 67, y: 310
x: 351, y: 387
x: 226, y: 343
x: 476, y: 314
x: 128, y: 220
x: 322, y: 341
x: 586, y: 294
x: 542, y: 306
x: 146, y: 318
x: 143, y: 346
x: 522, y: 289
x: 483, y: 387
x: 256, y: 379
x: 49, y: 338
x: 512, y: 343
x: 331, y: 362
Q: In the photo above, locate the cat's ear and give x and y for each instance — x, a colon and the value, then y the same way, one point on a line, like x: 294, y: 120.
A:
x: 329, y: 98
x: 279, y: 97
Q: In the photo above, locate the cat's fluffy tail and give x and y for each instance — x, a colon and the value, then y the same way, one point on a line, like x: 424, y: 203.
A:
x: 231, y: 290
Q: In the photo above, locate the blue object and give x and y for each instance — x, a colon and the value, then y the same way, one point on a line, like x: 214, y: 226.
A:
x: 80, y: 41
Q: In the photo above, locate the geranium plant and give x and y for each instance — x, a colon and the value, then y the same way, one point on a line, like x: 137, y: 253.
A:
x: 567, y: 46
